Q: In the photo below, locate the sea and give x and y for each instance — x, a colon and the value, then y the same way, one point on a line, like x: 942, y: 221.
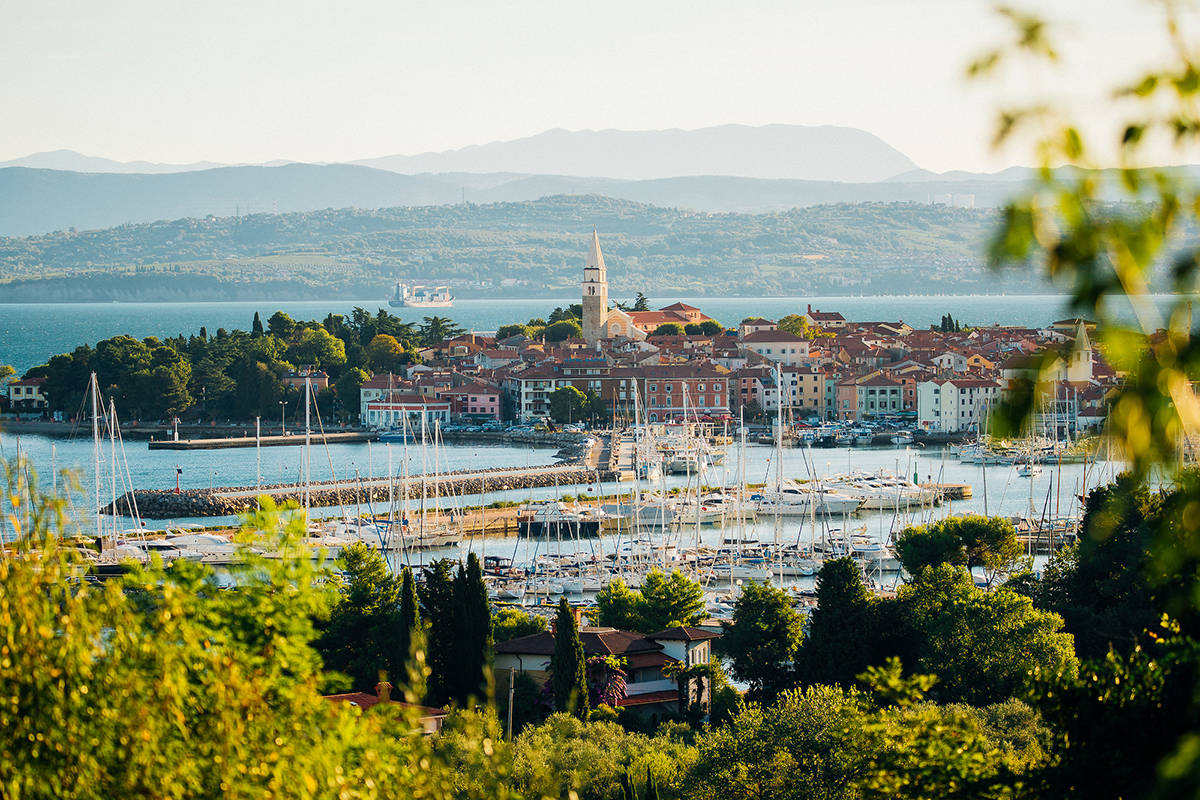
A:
x: 30, y: 333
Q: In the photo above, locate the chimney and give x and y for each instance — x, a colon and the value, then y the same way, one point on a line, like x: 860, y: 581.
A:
x: 810, y: 308
x: 383, y: 690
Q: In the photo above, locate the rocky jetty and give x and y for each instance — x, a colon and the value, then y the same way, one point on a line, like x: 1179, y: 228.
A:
x: 169, y: 504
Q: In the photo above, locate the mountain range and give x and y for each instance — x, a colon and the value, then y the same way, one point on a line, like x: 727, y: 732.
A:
x: 726, y: 169
x: 771, y: 151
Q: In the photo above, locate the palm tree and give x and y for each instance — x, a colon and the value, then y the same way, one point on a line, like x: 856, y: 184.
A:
x: 435, y: 330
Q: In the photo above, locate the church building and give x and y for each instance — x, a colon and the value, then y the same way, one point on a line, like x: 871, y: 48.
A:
x: 601, y: 322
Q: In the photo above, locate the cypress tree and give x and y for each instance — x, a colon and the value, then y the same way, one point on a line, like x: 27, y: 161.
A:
x: 437, y: 603
x: 839, y: 642
x: 473, y: 623
x: 410, y: 615
x: 256, y: 328
x: 568, y: 664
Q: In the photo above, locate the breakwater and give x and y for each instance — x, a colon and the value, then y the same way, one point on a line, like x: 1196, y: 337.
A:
x: 573, y: 470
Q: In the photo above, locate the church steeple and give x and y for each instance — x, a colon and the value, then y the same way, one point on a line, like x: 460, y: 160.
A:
x: 595, y: 293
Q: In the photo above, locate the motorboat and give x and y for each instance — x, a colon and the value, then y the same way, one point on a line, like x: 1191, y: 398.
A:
x: 798, y: 500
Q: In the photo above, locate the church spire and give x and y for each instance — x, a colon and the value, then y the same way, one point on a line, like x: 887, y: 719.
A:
x: 595, y: 258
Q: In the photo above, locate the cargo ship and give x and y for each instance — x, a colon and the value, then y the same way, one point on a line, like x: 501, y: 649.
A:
x: 421, y: 297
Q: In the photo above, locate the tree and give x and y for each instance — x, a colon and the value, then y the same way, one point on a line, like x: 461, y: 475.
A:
x: 970, y: 541
x: 562, y: 330
x: 573, y: 312
x: 983, y: 646
x: 317, y: 347
x: 437, y: 606
x: 472, y: 626
x: 640, y: 303
x: 508, y: 331
x: 841, y: 631
x: 409, y: 636
x: 435, y: 330
x: 385, y: 354
x: 348, y: 389
x: 810, y: 744
x: 763, y: 639
x: 223, y: 686
x: 794, y: 324
x: 256, y: 327
x: 668, y: 329
x: 7, y: 372
x: 618, y: 606
x: 664, y: 601
x: 669, y: 601
x: 281, y: 325
x: 363, y: 635
x: 568, y: 404
x: 513, y: 623
x: 567, y: 665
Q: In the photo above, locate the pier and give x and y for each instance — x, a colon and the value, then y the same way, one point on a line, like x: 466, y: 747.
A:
x: 290, y: 440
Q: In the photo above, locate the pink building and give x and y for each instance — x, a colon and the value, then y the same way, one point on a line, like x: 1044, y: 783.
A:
x: 476, y: 401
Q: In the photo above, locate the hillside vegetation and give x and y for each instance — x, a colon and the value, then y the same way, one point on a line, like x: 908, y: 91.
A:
x: 511, y: 248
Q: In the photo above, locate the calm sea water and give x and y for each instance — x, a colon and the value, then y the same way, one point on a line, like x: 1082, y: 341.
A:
x: 1052, y: 493
x: 31, y: 333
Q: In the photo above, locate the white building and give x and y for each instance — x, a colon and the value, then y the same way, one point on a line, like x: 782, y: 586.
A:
x: 778, y: 346
x: 955, y: 405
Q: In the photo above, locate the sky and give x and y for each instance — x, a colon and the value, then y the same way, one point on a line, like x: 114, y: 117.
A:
x: 247, y: 81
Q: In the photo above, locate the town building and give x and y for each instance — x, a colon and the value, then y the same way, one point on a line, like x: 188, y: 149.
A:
x: 26, y: 395
x: 955, y: 405
x: 648, y: 689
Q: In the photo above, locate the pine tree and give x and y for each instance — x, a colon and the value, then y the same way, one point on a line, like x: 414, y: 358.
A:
x: 568, y: 664
x: 256, y: 328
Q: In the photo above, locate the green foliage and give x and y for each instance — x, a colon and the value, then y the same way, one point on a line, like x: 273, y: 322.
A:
x: 472, y: 629
x: 668, y: 329
x: 843, y: 634
x: 568, y: 404
x: 507, y: 331
x: 567, y: 665
x: 169, y: 683
x: 764, y: 639
x: 435, y: 330
x: 981, y: 645
x: 513, y: 623
x: 1150, y: 691
x: 572, y: 313
x: 664, y: 601
x: 561, y: 330
x: 810, y: 744
x: 971, y: 541
x: 592, y: 758
x: 436, y: 593
x: 363, y: 636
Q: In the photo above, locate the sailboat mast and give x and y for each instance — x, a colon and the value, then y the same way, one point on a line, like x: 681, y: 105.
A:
x: 112, y: 446
x: 95, y: 391
x: 307, y: 441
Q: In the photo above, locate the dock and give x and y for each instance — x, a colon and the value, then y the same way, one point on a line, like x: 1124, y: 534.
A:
x: 291, y: 440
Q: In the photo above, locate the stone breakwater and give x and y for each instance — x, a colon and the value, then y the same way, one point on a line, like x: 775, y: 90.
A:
x: 167, y: 504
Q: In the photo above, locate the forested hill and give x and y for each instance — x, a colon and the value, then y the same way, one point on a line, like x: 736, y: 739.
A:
x: 512, y: 248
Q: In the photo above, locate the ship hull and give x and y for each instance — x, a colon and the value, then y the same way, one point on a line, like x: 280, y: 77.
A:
x: 409, y: 304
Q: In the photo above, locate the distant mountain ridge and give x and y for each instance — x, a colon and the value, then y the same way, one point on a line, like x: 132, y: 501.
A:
x: 34, y: 201
x: 796, y: 152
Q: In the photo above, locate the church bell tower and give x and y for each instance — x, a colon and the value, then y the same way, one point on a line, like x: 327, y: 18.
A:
x: 595, y: 293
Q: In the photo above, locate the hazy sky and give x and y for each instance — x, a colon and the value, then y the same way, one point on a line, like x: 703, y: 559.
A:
x: 249, y: 80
